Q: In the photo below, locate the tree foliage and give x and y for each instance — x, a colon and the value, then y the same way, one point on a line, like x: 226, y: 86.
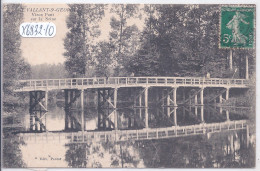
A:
x: 177, y: 40
x: 48, y: 71
x: 14, y: 66
x: 83, y: 27
x: 103, y: 59
x: 123, y: 36
x: 181, y: 40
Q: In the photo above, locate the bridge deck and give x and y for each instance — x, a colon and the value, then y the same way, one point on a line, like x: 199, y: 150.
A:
x: 117, y: 82
x: 124, y: 135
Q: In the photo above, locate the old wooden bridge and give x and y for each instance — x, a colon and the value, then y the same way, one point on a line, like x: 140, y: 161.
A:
x: 167, y: 91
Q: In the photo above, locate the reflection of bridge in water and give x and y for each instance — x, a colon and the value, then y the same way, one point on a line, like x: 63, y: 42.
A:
x: 162, y: 93
x: 136, y: 135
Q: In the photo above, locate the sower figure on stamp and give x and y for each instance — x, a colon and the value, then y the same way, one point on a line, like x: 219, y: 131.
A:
x: 237, y: 36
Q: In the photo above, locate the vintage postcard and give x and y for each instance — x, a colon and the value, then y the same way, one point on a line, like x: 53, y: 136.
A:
x: 128, y: 85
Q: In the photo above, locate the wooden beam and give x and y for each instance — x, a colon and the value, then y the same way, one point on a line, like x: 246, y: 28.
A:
x: 175, y: 96
x: 202, y: 114
x: 115, y: 98
x: 227, y: 115
x: 230, y: 60
x: 247, y: 75
x: 146, y: 107
x: 82, y: 110
x: 220, y: 98
x: 202, y: 96
x: 227, y: 94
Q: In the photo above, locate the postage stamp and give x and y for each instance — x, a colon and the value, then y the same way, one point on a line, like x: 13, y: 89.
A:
x: 237, y: 27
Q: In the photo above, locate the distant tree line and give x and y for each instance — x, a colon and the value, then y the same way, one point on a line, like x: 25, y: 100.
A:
x: 177, y: 40
x: 48, y: 71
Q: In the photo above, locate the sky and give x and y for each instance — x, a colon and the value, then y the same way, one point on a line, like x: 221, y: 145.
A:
x: 45, y: 50
x: 50, y: 50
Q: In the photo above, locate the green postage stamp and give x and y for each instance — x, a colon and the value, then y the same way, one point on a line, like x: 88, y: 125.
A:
x: 237, y: 25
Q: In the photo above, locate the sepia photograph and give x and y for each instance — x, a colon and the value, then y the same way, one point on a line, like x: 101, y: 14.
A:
x: 88, y: 85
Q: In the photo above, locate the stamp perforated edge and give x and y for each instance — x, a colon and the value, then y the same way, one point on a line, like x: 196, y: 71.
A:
x: 237, y: 5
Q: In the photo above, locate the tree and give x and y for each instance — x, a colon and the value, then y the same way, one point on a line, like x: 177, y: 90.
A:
x: 180, y: 40
x: 83, y: 27
x: 145, y: 62
x: 103, y: 59
x: 14, y: 66
x: 76, y: 155
x: 123, y: 37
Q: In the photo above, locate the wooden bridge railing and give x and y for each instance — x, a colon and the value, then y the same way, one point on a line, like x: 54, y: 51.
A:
x: 136, y: 135
x: 128, y: 81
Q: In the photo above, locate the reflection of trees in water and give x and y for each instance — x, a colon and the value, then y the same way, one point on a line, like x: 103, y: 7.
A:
x: 12, y: 156
x: 223, y: 150
x: 107, y: 154
x: 228, y: 150
x: 123, y: 154
x: 76, y: 155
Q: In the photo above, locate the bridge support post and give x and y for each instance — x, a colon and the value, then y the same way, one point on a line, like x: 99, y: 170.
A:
x: 66, y: 109
x: 115, y: 98
x: 215, y: 101
x: 115, y: 119
x: 37, y: 110
x: 227, y: 94
x: 71, y: 95
x: 169, y: 97
x: 32, y: 118
x: 163, y: 101
x: 46, y: 106
x: 196, y: 99
x: 230, y: 60
x: 82, y: 110
x: 227, y: 115
x: 70, y: 110
x: 168, y: 102
x: 189, y: 98
x: 115, y: 108
x: 99, y: 110
x: 183, y: 95
x: 107, y: 104
x: 220, y: 99
x: 247, y: 75
x: 202, y: 114
x: 247, y: 136
x: 196, y: 110
x: 220, y: 110
x: 201, y: 96
x: 146, y: 107
x: 72, y: 113
x: 175, y: 96
x: 175, y: 116
x: 140, y: 100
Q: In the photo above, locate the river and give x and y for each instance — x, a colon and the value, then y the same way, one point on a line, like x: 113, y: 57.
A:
x: 233, y: 148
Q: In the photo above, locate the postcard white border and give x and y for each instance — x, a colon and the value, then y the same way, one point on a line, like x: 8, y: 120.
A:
x: 167, y: 2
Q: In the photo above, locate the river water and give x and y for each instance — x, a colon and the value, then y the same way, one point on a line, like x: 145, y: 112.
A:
x: 227, y: 149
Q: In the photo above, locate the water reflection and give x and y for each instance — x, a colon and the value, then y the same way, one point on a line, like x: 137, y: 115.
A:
x: 103, y: 155
x: 137, y: 118
x: 219, y: 149
x: 223, y: 149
